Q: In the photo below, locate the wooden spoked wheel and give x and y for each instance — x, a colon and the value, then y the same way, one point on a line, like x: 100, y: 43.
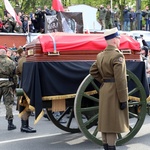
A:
x: 64, y: 120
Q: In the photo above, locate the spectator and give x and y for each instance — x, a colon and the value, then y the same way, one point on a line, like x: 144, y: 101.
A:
x: 102, y: 15
x: 138, y: 20
x: 18, y: 28
x: 117, y: 15
x: 146, y: 17
x: 108, y: 18
x: 39, y: 16
x: 126, y: 19
x: 11, y: 22
x: 5, y: 28
x: 46, y: 11
x: 132, y: 19
x: 25, y: 26
x: 52, y: 11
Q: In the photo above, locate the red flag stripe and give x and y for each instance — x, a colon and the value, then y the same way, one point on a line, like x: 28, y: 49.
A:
x: 57, y: 5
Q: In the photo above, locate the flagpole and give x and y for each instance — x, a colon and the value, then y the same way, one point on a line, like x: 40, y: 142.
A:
x: 111, y: 5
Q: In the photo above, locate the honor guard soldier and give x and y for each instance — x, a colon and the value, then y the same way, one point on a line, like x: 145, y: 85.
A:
x: 7, y: 73
x: 110, y: 70
x: 23, y: 103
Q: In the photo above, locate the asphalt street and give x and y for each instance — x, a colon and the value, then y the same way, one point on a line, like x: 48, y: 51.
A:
x: 49, y: 137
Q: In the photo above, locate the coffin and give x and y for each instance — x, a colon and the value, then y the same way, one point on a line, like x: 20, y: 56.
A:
x: 65, y: 46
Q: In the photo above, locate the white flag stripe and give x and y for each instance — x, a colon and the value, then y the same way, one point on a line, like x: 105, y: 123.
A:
x: 10, y: 9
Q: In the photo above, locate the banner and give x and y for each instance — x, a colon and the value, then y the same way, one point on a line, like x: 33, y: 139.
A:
x: 69, y: 22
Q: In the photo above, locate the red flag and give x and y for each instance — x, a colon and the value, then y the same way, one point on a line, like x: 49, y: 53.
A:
x: 57, y: 5
x: 11, y: 10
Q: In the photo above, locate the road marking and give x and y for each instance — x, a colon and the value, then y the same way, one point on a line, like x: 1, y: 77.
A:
x: 28, y: 138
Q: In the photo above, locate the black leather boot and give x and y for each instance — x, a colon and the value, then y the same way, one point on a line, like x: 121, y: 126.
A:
x: 11, y: 126
x: 26, y: 128
x: 105, y: 146
x: 111, y: 147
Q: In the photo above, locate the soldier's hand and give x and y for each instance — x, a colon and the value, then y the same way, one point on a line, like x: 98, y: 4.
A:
x: 123, y: 105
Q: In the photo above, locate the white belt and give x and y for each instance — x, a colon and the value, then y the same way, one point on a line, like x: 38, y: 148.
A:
x: 4, y: 79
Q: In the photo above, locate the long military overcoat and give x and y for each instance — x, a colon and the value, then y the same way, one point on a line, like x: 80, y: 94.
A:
x: 111, y: 64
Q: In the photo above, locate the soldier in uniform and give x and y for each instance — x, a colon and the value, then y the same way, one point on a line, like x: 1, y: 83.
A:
x: 110, y: 70
x: 7, y: 72
x: 108, y: 18
x: 102, y: 15
x: 23, y: 103
x: 117, y: 15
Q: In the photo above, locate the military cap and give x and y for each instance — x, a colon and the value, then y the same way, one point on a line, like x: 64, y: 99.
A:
x: 2, y: 47
x: 111, y: 33
x: 20, y: 50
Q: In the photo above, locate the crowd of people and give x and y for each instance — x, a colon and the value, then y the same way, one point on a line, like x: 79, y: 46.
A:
x: 33, y: 23
x: 109, y: 18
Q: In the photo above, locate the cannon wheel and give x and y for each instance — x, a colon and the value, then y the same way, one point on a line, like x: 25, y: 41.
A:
x: 135, y: 120
x: 67, y: 116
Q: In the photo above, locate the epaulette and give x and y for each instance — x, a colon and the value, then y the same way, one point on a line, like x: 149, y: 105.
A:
x: 117, y: 50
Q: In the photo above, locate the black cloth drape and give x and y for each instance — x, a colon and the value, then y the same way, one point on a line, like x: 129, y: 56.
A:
x: 57, y: 78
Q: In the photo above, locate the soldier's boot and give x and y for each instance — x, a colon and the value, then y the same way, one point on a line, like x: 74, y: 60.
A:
x: 25, y: 127
x: 111, y: 147
x: 105, y: 146
x: 11, y: 126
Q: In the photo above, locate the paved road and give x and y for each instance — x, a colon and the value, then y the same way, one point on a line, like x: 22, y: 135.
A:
x: 49, y: 137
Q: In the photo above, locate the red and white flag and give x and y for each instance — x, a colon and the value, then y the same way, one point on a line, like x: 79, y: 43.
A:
x: 57, y: 5
x: 11, y: 10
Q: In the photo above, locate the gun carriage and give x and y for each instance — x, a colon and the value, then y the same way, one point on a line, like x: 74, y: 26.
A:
x: 56, y: 78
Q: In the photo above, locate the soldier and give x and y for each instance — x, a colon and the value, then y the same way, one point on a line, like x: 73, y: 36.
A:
x: 110, y: 70
x: 132, y: 19
x: 7, y: 72
x: 109, y: 17
x: 23, y: 103
x: 102, y: 14
x: 126, y: 19
x: 117, y: 15
x: 146, y: 15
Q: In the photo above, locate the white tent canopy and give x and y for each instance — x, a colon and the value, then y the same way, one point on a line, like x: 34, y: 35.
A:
x: 89, y: 16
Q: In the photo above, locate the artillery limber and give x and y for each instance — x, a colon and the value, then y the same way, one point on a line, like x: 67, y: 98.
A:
x: 56, y: 78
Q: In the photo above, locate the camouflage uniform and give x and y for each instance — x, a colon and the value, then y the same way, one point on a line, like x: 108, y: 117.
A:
x: 7, y: 72
x: 117, y: 15
x: 108, y: 19
x: 7, y: 68
x: 102, y: 14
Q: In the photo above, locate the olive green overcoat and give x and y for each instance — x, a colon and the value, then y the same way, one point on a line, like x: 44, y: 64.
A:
x: 110, y: 64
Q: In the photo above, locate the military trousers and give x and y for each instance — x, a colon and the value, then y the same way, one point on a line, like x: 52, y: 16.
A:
x: 8, y: 98
x: 109, y: 138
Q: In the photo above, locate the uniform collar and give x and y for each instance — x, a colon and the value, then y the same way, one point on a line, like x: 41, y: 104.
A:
x: 111, y: 47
